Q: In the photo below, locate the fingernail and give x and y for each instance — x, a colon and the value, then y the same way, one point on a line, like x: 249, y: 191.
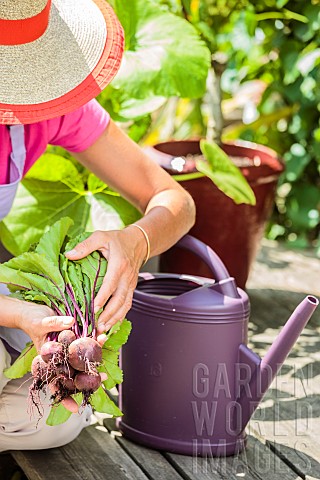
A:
x: 101, y: 339
x: 102, y: 328
x: 96, y: 308
x: 67, y: 321
x: 71, y: 252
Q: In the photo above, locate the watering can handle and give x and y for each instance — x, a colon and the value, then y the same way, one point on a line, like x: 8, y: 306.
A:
x: 206, y: 254
x: 227, y: 284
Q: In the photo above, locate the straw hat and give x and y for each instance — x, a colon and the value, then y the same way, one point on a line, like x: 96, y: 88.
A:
x: 55, y: 56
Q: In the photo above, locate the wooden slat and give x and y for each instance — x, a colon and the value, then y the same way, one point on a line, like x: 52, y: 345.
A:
x: 8, y: 467
x: 256, y: 462
x: 253, y: 463
x: 288, y: 419
x: 108, y: 445
x: 94, y: 455
x: 150, y: 461
x: 38, y: 465
x: 289, y: 432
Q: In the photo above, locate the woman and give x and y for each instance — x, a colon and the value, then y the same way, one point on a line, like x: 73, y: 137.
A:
x: 55, y: 57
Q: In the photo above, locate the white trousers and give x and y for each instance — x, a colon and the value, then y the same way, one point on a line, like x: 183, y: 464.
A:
x: 21, y: 431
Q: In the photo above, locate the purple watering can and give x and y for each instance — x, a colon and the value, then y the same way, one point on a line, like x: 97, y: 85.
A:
x: 191, y: 384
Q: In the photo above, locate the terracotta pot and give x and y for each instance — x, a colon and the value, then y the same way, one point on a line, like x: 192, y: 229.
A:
x: 233, y: 231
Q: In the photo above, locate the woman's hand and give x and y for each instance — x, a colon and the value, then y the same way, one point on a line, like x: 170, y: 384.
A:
x: 125, y: 251
x: 38, y: 321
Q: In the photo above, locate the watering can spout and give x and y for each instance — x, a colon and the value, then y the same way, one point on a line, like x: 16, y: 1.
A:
x: 265, y: 370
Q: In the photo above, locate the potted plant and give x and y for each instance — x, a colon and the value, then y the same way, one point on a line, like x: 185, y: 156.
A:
x: 234, y: 230
x: 230, y: 222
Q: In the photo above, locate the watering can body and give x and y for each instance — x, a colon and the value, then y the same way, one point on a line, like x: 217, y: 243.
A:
x: 187, y: 370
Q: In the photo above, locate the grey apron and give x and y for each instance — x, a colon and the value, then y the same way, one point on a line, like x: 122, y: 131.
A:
x: 17, y: 339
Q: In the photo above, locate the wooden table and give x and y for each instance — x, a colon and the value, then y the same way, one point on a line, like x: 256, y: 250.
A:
x: 284, y: 435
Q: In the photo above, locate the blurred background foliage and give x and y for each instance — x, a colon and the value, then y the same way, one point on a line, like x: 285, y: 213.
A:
x: 220, y: 69
x: 264, y: 81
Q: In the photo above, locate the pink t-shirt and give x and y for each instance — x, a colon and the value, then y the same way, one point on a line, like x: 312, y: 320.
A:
x: 75, y: 132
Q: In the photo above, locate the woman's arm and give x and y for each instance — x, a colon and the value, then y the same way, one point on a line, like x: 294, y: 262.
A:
x: 123, y: 165
x: 168, y: 210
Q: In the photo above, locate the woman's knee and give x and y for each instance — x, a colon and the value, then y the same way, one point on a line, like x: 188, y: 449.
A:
x: 43, y: 436
x: 59, y: 435
x: 21, y: 431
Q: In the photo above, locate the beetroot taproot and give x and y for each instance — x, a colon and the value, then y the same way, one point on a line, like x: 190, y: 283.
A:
x: 66, y: 337
x: 52, y: 351
x: 84, y: 353
x: 87, y: 382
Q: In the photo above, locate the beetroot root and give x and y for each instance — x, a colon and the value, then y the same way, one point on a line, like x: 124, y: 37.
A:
x: 66, y: 337
x: 84, y: 353
x: 52, y: 351
x: 39, y: 367
x: 87, y: 382
x: 64, y: 369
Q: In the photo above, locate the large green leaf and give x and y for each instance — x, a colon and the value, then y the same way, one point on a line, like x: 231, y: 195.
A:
x: 114, y: 372
x: 51, y: 242
x: 58, y: 414
x: 164, y: 56
x: 224, y: 174
x: 39, y: 264
x: 23, y: 363
x: 53, y: 190
x: 121, y: 107
x: 18, y: 279
x: 55, y: 168
x: 38, y: 205
x: 118, y: 336
x: 103, y: 404
x: 13, y: 279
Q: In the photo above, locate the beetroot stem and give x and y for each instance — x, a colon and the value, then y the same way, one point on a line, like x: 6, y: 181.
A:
x: 61, y: 293
x: 93, y: 320
x: 70, y: 292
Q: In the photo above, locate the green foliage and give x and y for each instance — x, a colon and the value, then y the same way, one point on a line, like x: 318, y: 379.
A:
x: 22, y: 365
x: 118, y: 336
x: 164, y: 57
x: 224, y: 174
x: 283, y: 38
x: 103, y: 404
x: 277, y: 42
x: 58, y: 415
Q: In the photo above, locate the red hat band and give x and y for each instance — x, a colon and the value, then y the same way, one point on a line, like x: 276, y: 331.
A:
x: 18, y: 32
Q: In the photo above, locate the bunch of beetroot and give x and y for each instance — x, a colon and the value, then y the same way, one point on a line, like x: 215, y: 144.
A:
x: 70, y: 362
x: 69, y: 365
